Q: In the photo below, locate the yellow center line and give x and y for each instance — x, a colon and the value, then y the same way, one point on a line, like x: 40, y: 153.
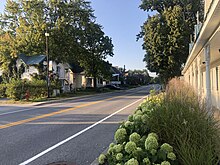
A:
x: 52, y: 114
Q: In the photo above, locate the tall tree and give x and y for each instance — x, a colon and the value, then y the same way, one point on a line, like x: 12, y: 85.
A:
x: 22, y: 25
x: 97, y: 47
x: 167, y: 34
x: 71, y: 25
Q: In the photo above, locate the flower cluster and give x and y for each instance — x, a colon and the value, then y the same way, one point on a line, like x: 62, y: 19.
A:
x: 135, y: 145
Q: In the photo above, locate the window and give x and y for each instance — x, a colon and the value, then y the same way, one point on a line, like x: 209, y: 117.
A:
x: 217, y: 78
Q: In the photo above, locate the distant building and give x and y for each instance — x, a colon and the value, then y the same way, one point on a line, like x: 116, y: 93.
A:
x: 72, y: 76
x: 202, y: 69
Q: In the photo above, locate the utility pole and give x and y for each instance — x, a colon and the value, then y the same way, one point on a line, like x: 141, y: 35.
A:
x: 48, y: 76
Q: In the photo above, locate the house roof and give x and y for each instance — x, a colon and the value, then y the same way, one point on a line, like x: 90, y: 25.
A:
x: 115, y: 70
x: 31, y: 60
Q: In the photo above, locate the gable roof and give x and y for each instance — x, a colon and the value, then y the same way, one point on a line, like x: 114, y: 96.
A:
x: 31, y: 60
x: 115, y: 70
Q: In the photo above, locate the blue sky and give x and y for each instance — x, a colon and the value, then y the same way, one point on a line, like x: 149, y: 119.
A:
x: 121, y: 20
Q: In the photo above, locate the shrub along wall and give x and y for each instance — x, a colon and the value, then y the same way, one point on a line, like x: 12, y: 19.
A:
x: 179, y: 121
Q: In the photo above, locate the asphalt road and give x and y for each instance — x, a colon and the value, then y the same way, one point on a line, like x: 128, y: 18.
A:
x: 74, y: 131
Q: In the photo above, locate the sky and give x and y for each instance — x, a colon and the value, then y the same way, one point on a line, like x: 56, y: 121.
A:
x: 121, y: 20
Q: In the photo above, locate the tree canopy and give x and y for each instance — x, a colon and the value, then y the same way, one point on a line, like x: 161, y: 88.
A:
x: 74, y: 34
x: 166, y: 35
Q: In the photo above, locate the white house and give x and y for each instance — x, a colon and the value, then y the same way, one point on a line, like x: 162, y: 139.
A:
x: 72, y: 76
x: 202, y: 69
x: 28, y: 65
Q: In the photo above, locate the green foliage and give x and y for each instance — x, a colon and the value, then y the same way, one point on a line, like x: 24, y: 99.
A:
x: 183, y: 122
x: 151, y: 143
x: 119, y: 156
x: 2, y: 90
x: 178, y: 131
x: 130, y: 147
x: 165, y: 163
x: 102, y: 158
x: 171, y: 156
x: 137, y: 77
x: 17, y: 89
x: 166, y: 148
x: 120, y: 135
x: 135, y: 137
x: 146, y: 161
x: 132, y: 162
x: 74, y: 34
x: 123, y: 153
x: 190, y: 7
x: 167, y: 34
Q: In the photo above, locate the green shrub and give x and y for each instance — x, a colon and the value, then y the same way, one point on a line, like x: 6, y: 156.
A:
x: 37, y: 89
x: 183, y: 132
x: 182, y: 121
x: 120, y: 135
x: 101, y: 159
x: 135, y: 137
x: 132, y: 162
x: 2, y: 90
x: 15, y: 89
x: 130, y: 147
x: 151, y: 143
x: 133, y: 152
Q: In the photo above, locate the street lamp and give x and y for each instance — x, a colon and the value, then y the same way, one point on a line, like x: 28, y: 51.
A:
x: 48, y: 78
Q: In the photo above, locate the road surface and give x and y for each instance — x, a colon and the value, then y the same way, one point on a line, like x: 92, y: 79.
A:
x: 74, y: 131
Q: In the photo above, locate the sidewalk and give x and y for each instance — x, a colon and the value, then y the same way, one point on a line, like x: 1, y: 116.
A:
x: 57, y: 99
x: 4, y: 101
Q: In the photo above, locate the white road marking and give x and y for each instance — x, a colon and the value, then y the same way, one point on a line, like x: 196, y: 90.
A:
x: 77, y: 134
x: 80, y: 99
x: 33, y: 108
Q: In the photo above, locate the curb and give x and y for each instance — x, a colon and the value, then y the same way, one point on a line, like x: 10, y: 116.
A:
x: 74, y: 98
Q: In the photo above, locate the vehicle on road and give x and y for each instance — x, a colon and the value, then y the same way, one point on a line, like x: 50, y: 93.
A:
x: 112, y: 86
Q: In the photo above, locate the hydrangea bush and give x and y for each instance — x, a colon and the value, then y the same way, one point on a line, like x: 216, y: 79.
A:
x: 183, y: 132
x: 135, y: 144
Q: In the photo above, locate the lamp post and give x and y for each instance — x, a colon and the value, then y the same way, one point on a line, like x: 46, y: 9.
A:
x: 48, y: 78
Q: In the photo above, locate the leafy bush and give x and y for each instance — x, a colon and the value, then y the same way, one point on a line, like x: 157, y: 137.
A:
x: 37, y: 88
x: 17, y: 89
x: 184, y: 133
x: 2, y: 90
x: 130, y: 152
x: 184, y: 122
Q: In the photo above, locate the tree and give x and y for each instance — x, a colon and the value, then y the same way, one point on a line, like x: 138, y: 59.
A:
x: 167, y: 34
x: 21, y: 32
x: 190, y: 8
x: 138, y: 77
x: 71, y: 25
x: 97, y: 47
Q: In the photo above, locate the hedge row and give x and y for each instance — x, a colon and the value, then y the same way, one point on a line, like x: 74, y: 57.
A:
x: 18, y: 89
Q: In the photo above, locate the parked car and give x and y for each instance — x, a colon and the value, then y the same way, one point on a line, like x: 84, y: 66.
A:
x: 112, y: 86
